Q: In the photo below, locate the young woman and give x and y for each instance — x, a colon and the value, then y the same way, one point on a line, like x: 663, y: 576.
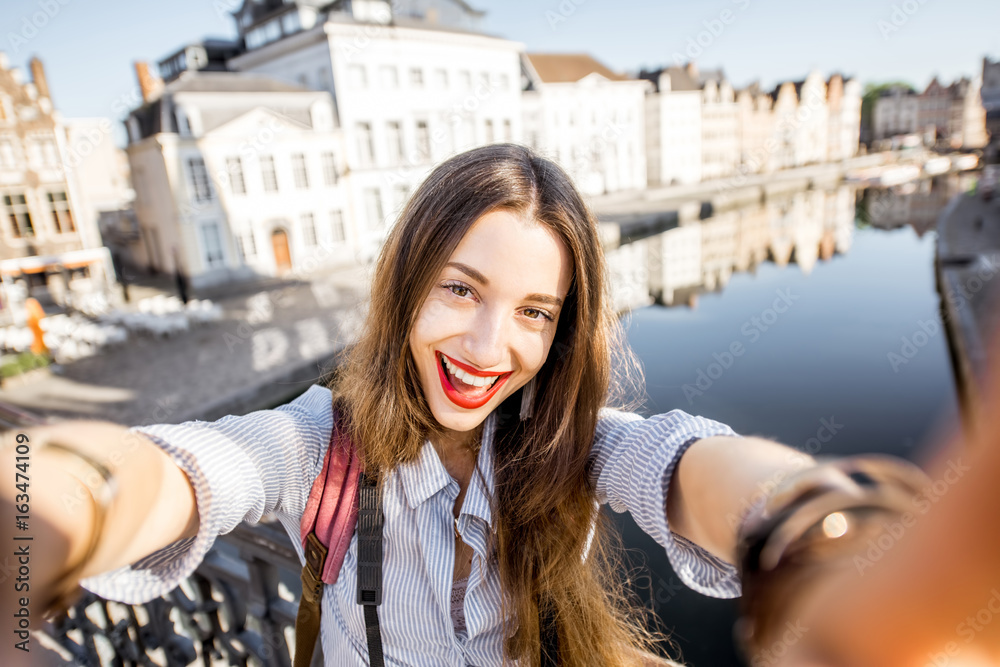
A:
x: 490, y: 292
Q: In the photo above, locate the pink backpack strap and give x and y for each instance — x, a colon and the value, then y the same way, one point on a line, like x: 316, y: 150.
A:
x: 332, y: 511
x: 327, y: 526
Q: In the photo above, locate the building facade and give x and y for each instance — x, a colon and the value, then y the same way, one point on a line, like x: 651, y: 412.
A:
x: 410, y: 87
x: 49, y: 243
x: 720, y: 131
x: 238, y: 176
x: 588, y: 119
x: 843, y: 99
x: 990, y: 93
x: 673, y: 127
x: 952, y: 116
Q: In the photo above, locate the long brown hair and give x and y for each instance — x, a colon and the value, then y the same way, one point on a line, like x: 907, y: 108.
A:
x: 545, y: 503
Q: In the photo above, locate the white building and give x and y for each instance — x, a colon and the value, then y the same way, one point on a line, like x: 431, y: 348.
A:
x: 896, y: 112
x: 843, y: 117
x: 412, y: 84
x: 238, y: 175
x: 756, y: 127
x: 588, y: 119
x: 811, y: 120
x: 720, y: 131
x: 673, y: 127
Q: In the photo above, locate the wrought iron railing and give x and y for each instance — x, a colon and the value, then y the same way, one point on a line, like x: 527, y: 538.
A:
x: 238, y: 608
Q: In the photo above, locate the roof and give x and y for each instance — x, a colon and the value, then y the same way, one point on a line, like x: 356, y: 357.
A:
x: 569, y: 67
x: 680, y: 80
x: 230, y: 82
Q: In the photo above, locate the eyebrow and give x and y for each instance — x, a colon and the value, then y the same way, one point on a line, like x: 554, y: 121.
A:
x: 480, y: 278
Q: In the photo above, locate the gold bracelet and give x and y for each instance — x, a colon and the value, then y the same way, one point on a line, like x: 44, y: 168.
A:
x: 67, y: 587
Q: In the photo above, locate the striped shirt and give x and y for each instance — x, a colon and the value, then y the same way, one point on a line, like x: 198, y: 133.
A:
x: 243, y: 467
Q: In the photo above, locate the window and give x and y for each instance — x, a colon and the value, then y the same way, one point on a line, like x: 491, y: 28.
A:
x: 211, y: 245
x: 508, y: 134
x: 200, y: 185
x: 337, y: 226
x: 357, y: 76
x: 329, y: 169
x: 489, y: 131
x: 61, y: 215
x: 366, y: 150
x: 290, y: 23
x: 394, y: 140
x: 20, y: 217
x: 417, y: 77
x: 309, y: 229
x: 268, y: 174
x: 465, y: 78
x: 8, y: 159
x: 504, y: 82
x: 299, y: 172
x: 400, y: 193
x: 50, y: 156
x: 246, y: 245
x: 234, y: 167
x: 373, y: 208
x: 34, y: 153
x: 423, y: 140
x: 390, y: 76
x: 441, y: 78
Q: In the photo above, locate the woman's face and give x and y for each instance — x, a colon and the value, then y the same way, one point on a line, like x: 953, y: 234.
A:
x: 487, y: 325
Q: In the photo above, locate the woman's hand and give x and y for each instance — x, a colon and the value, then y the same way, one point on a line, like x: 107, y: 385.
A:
x: 149, y: 504
x: 926, y: 591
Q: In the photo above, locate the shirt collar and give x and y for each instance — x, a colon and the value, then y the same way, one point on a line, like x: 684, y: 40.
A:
x: 426, y: 476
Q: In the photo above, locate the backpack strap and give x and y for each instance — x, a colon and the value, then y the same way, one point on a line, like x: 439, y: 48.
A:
x: 327, y: 526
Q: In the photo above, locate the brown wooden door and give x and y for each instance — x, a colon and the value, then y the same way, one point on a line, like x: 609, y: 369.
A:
x: 282, y: 258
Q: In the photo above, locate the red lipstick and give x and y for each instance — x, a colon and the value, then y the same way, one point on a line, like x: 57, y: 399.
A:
x: 458, y: 398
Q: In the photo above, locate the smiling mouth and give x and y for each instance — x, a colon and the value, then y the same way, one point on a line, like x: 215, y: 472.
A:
x: 466, y: 389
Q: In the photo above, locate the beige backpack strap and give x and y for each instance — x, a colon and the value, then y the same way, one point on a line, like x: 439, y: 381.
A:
x: 307, y: 619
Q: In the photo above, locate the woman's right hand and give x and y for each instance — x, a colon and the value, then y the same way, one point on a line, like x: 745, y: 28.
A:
x: 151, y: 505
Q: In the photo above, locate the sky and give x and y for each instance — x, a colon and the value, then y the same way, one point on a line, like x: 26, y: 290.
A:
x: 88, y: 46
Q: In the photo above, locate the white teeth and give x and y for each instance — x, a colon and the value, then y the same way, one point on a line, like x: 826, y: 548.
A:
x: 468, y: 378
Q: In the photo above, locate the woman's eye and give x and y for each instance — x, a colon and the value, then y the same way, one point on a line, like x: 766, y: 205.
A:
x: 535, y: 314
x: 459, y: 290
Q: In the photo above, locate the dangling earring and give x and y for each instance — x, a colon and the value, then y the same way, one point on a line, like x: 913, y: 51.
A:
x: 527, y: 399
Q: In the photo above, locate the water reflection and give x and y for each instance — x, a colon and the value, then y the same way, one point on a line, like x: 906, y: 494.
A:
x: 864, y: 281
x: 674, y: 267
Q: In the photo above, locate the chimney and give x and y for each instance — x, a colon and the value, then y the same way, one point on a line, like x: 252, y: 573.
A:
x: 38, y: 77
x: 692, y: 70
x: 150, y: 85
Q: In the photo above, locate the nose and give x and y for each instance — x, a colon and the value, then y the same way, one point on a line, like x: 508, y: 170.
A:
x: 486, y: 342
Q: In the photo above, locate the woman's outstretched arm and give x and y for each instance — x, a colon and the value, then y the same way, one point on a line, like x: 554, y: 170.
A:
x: 717, y: 482
x: 152, y: 507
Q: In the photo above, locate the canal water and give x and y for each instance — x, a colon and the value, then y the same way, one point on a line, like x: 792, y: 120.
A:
x: 777, y: 320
